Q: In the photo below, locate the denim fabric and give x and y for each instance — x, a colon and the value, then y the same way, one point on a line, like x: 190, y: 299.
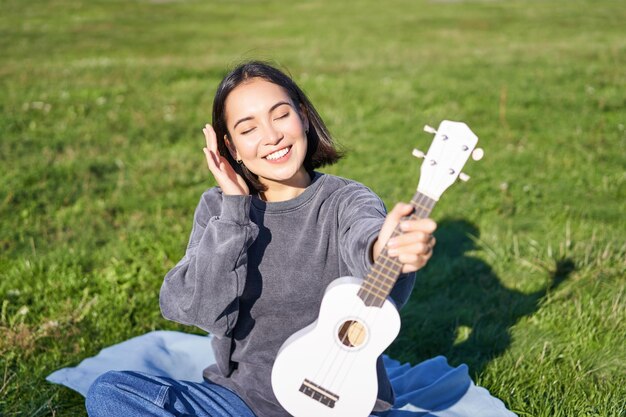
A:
x: 129, y: 393
x: 428, y: 389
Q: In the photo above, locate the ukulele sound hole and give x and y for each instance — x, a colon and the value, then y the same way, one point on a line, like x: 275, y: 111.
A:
x: 352, y: 333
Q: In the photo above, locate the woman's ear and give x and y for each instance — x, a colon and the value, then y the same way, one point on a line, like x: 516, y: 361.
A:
x: 305, y: 118
x: 231, y: 148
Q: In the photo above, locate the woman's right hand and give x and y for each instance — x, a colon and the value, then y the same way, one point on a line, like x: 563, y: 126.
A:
x: 228, y: 180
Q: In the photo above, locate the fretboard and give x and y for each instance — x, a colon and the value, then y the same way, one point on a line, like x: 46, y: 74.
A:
x: 386, y: 270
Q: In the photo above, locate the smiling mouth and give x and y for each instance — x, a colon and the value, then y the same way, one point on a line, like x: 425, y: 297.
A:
x: 278, y: 154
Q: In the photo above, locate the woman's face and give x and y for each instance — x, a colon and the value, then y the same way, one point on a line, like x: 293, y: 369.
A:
x: 268, y: 132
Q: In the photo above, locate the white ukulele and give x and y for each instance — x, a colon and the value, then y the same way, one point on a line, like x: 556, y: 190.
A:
x: 328, y: 369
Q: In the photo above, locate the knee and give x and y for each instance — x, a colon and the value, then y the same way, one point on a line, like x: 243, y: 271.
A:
x: 102, y: 392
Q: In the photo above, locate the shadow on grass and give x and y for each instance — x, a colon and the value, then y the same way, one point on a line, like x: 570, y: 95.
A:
x: 459, y: 308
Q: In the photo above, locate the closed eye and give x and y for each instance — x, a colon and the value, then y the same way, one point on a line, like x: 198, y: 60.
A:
x: 245, y: 132
x: 283, y: 116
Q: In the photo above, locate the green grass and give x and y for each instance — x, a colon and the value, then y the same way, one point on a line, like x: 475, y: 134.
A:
x: 102, y: 104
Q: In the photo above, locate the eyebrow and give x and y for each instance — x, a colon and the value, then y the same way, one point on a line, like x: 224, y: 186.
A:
x: 280, y: 103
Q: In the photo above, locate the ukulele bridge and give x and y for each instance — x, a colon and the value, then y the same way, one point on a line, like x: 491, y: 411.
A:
x: 318, y: 393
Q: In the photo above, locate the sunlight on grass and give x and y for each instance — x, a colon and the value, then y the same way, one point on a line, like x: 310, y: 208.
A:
x: 102, y: 108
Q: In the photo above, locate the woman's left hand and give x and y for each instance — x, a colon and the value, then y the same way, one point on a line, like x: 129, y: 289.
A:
x: 414, y: 246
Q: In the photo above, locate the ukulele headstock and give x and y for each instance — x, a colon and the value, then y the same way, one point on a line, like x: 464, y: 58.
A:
x: 452, y: 146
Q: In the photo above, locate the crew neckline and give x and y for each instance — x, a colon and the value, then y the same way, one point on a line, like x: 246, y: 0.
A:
x: 292, y: 204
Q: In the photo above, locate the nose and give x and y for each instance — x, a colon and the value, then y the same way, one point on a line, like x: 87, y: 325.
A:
x: 272, y: 135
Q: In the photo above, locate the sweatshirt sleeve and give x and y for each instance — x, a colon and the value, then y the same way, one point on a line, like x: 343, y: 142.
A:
x: 203, y: 289
x: 361, y: 216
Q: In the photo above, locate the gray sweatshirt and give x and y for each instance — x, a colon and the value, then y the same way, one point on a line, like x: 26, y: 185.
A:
x: 254, y: 273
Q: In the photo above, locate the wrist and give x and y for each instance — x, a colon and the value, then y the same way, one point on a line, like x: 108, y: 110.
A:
x: 236, y: 208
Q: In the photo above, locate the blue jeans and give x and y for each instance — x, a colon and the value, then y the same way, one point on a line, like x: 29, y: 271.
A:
x: 129, y: 393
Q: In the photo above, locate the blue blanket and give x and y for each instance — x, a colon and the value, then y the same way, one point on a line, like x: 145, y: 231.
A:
x: 429, y: 389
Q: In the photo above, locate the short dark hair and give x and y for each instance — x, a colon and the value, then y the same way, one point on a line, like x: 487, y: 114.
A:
x: 321, y: 149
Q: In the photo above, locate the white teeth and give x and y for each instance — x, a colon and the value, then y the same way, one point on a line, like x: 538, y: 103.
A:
x: 278, y: 154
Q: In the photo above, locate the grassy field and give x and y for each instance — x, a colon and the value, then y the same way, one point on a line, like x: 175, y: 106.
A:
x: 102, y: 105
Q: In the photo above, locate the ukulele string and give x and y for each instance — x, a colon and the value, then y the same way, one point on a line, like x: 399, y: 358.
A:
x: 348, y: 354
x: 348, y: 364
x: 329, y: 364
x: 345, y: 338
x: 361, y: 313
x: 421, y: 211
x: 324, y: 373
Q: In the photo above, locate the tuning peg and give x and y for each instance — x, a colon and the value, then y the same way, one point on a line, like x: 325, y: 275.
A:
x: 477, y: 154
x: 464, y: 177
x: 430, y: 129
x: 418, y: 154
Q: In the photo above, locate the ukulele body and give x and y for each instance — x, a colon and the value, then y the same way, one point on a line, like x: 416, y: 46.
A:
x: 328, y: 369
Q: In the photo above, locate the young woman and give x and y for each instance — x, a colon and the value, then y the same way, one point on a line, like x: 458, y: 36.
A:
x: 264, y: 246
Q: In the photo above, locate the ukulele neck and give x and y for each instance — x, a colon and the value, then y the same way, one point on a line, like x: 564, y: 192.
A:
x: 386, y: 269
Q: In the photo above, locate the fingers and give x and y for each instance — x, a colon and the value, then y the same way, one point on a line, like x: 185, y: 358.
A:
x: 422, y: 225
x: 210, y: 138
x: 414, y: 247
x: 410, y: 238
x: 212, y: 160
x: 414, y: 231
x: 411, y: 262
x: 418, y: 248
x: 213, y: 157
x: 399, y: 210
x: 406, y: 246
x: 227, y: 179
